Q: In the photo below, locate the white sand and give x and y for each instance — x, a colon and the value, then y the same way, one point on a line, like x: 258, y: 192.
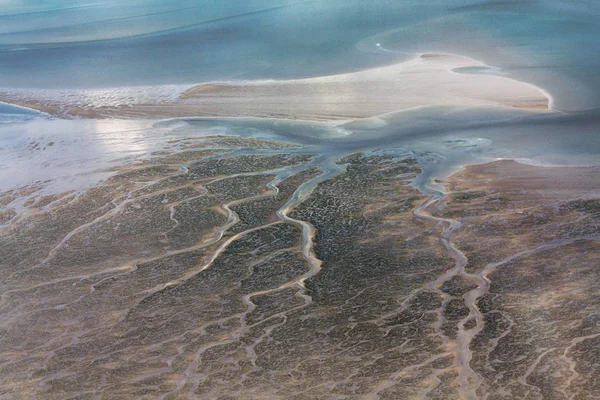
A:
x: 425, y: 80
x: 428, y: 79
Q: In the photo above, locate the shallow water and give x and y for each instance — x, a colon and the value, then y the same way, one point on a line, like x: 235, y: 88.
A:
x: 77, y: 153
x: 13, y: 114
x: 85, y: 44
x: 151, y: 50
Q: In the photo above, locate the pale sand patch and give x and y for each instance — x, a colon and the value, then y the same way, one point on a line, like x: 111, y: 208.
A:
x: 427, y: 80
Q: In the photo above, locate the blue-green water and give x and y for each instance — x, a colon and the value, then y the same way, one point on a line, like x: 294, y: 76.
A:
x: 73, y: 45
x: 64, y: 44
x: 12, y: 114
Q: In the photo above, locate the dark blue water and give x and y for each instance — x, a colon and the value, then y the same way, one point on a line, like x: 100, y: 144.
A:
x: 65, y: 44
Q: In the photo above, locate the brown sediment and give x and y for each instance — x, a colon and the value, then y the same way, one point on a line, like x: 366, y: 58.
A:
x: 48, y: 109
x: 207, y: 88
x: 241, y: 276
x: 6, y: 215
x: 528, y: 182
x: 173, y: 110
x: 541, y: 106
x: 57, y: 109
x: 531, y: 236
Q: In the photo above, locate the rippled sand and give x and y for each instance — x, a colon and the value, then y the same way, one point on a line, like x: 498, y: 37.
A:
x: 427, y: 80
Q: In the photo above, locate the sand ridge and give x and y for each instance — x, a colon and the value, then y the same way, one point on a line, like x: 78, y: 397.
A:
x: 426, y: 80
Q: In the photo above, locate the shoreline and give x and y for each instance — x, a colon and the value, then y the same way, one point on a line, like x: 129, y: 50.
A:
x: 36, y: 111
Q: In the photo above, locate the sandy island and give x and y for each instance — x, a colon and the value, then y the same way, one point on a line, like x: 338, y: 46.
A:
x: 426, y: 80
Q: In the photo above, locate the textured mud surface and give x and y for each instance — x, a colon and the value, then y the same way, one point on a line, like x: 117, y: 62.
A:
x: 216, y: 275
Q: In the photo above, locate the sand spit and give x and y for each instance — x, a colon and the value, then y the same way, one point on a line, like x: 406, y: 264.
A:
x: 428, y: 79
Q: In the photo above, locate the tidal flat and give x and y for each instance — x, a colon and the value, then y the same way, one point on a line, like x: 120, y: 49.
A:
x: 303, y: 200
x: 237, y: 267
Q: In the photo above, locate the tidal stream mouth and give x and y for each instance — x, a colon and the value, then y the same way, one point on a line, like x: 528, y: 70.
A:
x: 469, y: 380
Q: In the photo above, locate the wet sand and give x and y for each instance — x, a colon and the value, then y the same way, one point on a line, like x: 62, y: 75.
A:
x: 426, y: 80
x: 530, y: 238
x: 529, y: 183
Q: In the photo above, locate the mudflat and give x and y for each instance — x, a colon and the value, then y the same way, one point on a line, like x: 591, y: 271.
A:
x: 263, y: 275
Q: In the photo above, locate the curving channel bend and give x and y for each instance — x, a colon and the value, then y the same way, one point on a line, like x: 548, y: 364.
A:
x: 469, y: 380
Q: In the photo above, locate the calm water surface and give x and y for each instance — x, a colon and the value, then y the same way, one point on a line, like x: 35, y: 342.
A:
x: 554, y: 44
x: 111, y: 45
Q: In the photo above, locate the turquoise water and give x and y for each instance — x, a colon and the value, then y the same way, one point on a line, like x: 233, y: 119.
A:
x: 11, y: 114
x: 65, y: 44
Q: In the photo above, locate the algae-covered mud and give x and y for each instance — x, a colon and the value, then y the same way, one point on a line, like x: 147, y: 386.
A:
x: 247, y: 264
